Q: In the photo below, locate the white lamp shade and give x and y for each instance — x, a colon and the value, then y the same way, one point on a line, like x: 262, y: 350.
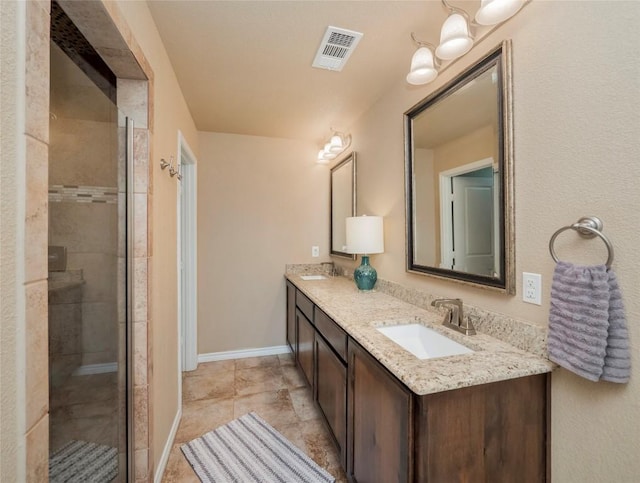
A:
x: 423, y: 68
x: 492, y: 12
x: 454, y: 38
x: 365, y: 235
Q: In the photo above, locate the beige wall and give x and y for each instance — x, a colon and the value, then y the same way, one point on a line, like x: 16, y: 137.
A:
x: 577, y: 132
x: 262, y: 203
x: 170, y: 114
x: 425, y: 193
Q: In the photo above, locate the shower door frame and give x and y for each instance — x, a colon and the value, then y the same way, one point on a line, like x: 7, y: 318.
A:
x: 103, y: 26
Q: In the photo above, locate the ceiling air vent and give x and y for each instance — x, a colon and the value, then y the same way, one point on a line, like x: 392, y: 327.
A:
x: 336, y: 48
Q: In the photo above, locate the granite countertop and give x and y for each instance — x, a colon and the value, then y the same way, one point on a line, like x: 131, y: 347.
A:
x: 360, y: 313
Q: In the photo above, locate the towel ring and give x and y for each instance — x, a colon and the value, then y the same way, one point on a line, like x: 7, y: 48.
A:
x: 587, y: 227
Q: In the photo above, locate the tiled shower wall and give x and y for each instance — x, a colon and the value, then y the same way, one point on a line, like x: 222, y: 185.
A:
x: 83, y: 217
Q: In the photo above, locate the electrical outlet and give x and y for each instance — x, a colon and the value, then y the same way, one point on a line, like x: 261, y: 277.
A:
x: 315, y: 251
x: 532, y: 288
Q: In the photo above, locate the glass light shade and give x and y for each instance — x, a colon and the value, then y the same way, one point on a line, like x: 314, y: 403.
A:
x: 423, y: 69
x: 321, y: 159
x: 492, y: 12
x: 365, y: 234
x: 454, y: 38
x: 336, y: 145
x: 327, y: 152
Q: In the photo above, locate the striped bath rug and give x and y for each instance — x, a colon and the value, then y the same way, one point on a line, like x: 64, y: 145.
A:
x: 82, y: 462
x: 249, y: 450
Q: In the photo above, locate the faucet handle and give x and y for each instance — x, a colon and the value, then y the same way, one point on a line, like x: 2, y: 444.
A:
x: 466, y: 325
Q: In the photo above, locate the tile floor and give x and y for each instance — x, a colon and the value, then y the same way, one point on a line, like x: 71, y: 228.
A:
x: 218, y: 392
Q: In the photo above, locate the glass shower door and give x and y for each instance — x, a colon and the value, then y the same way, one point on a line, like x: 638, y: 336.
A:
x: 89, y: 329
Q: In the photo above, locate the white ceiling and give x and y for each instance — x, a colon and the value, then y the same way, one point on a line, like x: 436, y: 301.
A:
x: 244, y: 67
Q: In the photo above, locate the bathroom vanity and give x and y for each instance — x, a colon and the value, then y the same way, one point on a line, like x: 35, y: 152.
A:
x: 479, y: 416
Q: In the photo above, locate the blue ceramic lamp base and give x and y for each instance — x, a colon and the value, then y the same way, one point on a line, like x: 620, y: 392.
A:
x: 365, y: 275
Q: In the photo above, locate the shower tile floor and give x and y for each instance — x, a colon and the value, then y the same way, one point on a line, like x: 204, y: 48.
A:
x: 218, y: 392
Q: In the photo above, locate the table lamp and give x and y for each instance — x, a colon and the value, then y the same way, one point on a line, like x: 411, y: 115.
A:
x: 365, y: 237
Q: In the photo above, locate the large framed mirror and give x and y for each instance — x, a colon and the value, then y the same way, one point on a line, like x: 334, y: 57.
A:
x: 459, y: 178
x: 343, y: 204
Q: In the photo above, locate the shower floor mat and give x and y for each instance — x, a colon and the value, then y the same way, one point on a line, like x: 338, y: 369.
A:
x: 83, y: 462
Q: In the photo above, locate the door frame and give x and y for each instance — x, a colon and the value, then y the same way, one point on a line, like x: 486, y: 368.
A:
x: 446, y: 215
x: 187, y: 258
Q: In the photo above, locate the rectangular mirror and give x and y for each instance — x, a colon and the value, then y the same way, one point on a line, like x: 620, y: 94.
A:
x: 343, y: 204
x: 459, y: 178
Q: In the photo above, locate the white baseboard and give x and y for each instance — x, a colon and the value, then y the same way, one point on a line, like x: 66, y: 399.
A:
x: 96, y: 369
x: 162, y: 464
x: 243, y: 353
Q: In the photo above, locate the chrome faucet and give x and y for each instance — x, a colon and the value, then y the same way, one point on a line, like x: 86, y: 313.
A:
x: 455, y: 316
x: 329, y: 268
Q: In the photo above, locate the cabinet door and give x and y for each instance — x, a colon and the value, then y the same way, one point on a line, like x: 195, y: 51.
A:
x: 380, y: 419
x: 291, y: 318
x: 305, y: 333
x: 331, y: 394
x: 492, y: 432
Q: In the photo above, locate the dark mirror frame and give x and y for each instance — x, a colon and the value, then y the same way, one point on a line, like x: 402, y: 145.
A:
x: 505, y: 281
x: 351, y: 158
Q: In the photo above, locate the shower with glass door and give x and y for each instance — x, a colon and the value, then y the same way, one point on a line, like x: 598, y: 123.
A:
x: 89, y: 335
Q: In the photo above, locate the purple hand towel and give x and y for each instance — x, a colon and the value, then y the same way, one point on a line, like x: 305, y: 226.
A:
x: 617, y: 362
x: 587, y: 327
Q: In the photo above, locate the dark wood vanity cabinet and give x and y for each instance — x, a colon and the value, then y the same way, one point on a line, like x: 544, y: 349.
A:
x: 330, y: 392
x: 320, y: 350
x: 487, y: 433
x: 380, y: 422
x: 496, y: 432
x: 306, y: 335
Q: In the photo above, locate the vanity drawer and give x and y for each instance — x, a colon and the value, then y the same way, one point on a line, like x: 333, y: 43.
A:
x: 334, y: 335
x: 305, y: 305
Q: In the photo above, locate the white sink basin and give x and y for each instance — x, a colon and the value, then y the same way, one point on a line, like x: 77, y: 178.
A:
x: 422, y: 342
x: 313, y: 277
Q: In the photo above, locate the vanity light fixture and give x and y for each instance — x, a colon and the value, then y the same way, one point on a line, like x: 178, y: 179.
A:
x: 338, y: 144
x: 365, y: 236
x: 492, y: 12
x: 455, y: 39
x: 456, y: 36
x: 423, y: 65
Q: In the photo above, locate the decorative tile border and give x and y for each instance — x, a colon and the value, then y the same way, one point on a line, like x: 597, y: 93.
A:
x: 64, y: 193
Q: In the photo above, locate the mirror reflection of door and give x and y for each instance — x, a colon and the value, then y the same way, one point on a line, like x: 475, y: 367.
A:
x: 468, y: 228
x: 467, y: 222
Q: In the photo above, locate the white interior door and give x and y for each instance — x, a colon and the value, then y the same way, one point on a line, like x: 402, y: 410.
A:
x: 473, y: 232
x: 187, y: 258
